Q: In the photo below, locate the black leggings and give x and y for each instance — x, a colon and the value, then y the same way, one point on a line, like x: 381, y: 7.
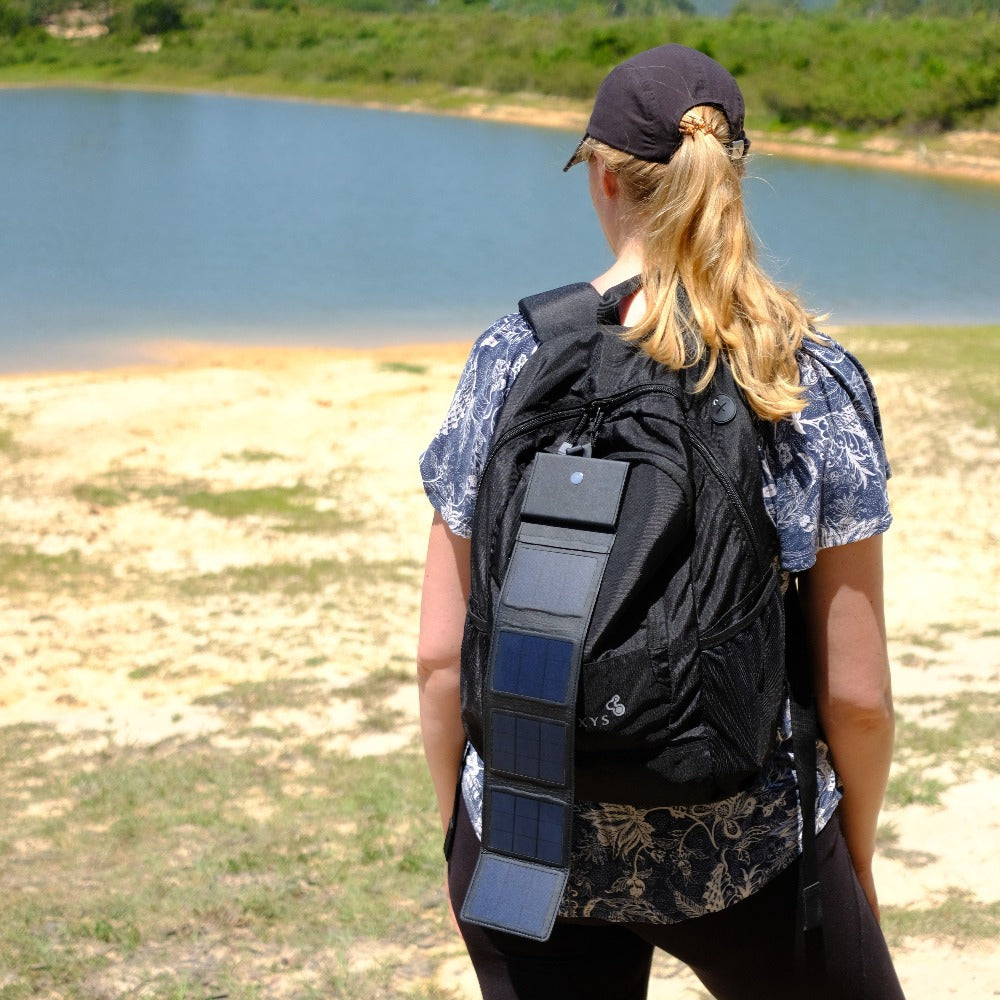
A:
x: 750, y: 951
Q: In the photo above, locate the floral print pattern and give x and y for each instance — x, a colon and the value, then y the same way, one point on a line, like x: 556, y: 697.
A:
x: 824, y: 477
x: 668, y: 863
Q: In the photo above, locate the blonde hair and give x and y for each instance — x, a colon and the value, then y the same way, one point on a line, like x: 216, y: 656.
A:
x: 705, y: 292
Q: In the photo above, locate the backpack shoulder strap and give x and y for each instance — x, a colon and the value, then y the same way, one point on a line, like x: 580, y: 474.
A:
x: 804, y: 734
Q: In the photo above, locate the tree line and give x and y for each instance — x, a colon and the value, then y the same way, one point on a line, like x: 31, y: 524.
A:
x: 917, y: 66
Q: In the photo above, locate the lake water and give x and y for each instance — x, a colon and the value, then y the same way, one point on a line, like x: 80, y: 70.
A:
x: 126, y: 217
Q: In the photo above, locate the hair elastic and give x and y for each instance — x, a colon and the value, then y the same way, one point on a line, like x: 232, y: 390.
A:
x: 691, y: 125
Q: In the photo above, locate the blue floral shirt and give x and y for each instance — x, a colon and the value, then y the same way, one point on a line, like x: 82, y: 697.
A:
x: 824, y: 483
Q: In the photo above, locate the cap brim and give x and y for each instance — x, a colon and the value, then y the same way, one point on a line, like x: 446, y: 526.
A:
x: 577, y: 156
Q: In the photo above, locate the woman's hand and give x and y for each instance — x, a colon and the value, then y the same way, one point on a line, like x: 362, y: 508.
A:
x: 451, y: 908
x: 867, y: 881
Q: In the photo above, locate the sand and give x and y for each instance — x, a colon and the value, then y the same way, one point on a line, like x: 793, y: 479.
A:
x: 960, y: 154
x: 231, y: 419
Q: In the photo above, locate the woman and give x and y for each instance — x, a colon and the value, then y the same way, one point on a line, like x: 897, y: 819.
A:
x: 715, y: 885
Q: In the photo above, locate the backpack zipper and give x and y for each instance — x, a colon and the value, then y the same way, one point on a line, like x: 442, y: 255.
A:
x: 596, y: 411
x: 734, y: 498
x: 527, y: 425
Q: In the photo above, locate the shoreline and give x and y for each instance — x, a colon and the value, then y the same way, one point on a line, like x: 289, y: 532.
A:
x: 878, y: 151
x: 160, y: 357
x: 194, y: 355
x: 960, y: 155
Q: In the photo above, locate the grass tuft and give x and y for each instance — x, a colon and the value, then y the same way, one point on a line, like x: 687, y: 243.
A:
x: 965, y: 735
x: 102, y: 496
x: 253, y: 455
x: 910, y: 787
x: 293, y: 579
x: 148, y: 670
x: 257, y: 696
x: 294, y: 506
x: 958, y: 732
x: 372, y: 693
x: 7, y: 443
x: 298, y: 508
x: 959, y: 917
x: 23, y: 569
x: 402, y: 368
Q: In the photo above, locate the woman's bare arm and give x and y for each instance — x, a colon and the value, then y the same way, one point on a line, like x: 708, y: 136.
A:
x: 442, y: 619
x: 842, y: 601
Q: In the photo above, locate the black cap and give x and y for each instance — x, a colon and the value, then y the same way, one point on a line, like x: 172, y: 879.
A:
x: 641, y: 102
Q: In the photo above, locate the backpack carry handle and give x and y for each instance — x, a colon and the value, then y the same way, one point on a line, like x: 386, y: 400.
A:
x: 562, y: 310
x: 574, y: 307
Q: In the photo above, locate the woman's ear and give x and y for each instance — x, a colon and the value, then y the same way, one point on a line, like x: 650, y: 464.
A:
x: 609, y: 181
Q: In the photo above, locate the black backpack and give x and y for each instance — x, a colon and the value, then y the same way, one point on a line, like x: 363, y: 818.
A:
x: 626, y: 630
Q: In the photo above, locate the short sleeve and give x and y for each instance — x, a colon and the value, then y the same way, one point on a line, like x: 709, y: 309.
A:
x: 825, y: 468
x: 453, y: 462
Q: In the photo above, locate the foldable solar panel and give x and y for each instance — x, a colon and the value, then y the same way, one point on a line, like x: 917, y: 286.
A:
x: 541, y: 620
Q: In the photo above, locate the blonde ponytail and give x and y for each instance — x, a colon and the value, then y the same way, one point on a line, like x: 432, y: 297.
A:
x: 705, y: 292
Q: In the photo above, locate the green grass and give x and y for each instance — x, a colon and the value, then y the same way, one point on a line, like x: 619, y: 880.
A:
x: 887, y: 846
x: 23, y: 569
x: 298, y: 508
x: 959, y: 917
x: 102, y: 496
x: 961, y: 738
x: 258, y: 696
x: 961, y: 363
x: 148, y: 670
x: 120, y: 486
x: 372, y: 692
x: 159, y: 859
x: 402, y: 368
x: 253, y: 455
x: 10, y: 424
x: 241, y: 701
x: 967, y: 731
x: 907, y: 788
x: 293, y: 507
x: 292, y: 579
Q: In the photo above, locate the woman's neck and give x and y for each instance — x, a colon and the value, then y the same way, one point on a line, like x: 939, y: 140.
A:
x: 628, y: 265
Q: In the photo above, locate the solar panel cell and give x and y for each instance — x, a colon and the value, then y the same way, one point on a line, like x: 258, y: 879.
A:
x: 532, y: 666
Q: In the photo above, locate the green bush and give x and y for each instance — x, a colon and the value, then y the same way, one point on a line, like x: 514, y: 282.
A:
x: 832, y: 70
x: 156, y: 17
x: 13, y: 20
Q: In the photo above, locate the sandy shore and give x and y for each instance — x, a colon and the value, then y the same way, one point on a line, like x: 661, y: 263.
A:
x: 962, y: 155
x: 348, y: 427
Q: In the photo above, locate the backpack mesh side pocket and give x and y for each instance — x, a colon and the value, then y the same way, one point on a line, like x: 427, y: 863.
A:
x: 743, y: 678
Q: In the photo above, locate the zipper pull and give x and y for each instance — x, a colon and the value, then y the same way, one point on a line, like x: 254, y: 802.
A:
x: 576, y: 450
x: 595, y: 423
x: 582, y: 444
